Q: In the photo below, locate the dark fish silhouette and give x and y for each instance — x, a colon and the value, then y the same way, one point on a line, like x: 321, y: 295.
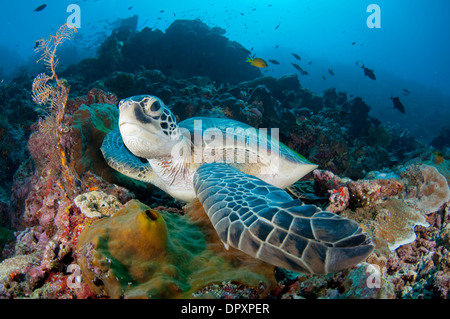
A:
x: 310, y: 62
x: 274, y: 61
x: 398, y: 105
x: 369, y: 73
x: 303, y: 72
x: 406, y: 92
x: 296, y: 56
x: 41, y: 7
x: 130, y: 8
x: 37, y: 44
x: 353, y: 43
x: 277, y: 26
x: 297, y: 67
x: 331, y: 71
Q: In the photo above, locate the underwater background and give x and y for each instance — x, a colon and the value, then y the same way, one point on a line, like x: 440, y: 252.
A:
x: 408, y: 51
x: 362, y: 91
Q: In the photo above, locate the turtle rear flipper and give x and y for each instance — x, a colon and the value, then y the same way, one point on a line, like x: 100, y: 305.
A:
x: 118, y: 157
x: 264, y: 222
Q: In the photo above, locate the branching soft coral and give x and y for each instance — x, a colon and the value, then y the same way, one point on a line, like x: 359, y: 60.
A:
x: 52, y: 93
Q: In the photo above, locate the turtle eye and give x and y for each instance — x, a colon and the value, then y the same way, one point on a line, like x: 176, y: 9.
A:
x: 152, y: 107
x: 156, y: 106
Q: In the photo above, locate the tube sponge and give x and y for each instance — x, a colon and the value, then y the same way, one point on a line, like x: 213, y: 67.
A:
x: 142, y: 253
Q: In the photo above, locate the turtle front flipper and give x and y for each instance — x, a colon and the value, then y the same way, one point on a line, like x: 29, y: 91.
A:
x: 263, y: 221
x: 122, y: 160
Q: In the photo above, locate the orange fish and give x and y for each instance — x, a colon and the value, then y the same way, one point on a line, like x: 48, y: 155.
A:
x: 258, y: 62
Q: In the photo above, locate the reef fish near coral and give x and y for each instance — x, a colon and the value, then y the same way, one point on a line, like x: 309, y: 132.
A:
x: 299, y: 68
x: 273, y: 61
x: 258, y: 62
x: 369, y: 73
x: 398, y: 105
x: 296, y: 56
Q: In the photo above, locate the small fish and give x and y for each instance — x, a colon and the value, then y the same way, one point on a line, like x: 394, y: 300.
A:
x: 41, y: 7
x: 130, y: 8
x: 298, y: 67
x: 406, y: 92
x: 276, y: 47
x: 37, y: 44
x: 398, y: 105
x: 274, y: 61
x: 258, y: 62
x: 161, y: 11
x: 323, y: 77
x: 277, y: 26
x: 310, y: 62
x: 296, y: 56
x: 353, y: 43
x: 331, y: 71
x: 369, y: 73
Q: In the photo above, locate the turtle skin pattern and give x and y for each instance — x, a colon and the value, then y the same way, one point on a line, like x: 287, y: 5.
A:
x: 266, y: 223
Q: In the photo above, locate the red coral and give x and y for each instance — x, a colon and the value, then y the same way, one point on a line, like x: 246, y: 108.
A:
x: 339, y: 199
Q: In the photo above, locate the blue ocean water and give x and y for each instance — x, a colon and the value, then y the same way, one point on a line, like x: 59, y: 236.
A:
x: 409, y: 49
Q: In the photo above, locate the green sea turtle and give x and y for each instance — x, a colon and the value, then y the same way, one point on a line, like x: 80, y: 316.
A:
x: 238, y: 174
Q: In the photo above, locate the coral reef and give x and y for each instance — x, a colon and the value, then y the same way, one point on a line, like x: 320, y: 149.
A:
x: 389, y: 205
x: 419, y: 270
x: 370, y: 172
x: 97, y: 204
x: 209, y: 54
x: 442, y: 140
x: 17, y: 116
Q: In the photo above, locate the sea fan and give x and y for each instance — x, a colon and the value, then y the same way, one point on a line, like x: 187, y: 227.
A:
x: 41, y: 89
x: 48, y: 46
x: 54, y: 96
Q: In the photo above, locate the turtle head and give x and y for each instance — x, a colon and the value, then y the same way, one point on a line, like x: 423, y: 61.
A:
x: 147, y: 126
